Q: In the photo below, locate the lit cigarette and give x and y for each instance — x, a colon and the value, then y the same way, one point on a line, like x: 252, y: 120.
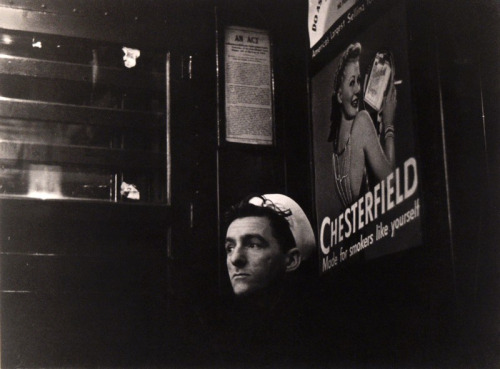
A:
x: 398, y: 82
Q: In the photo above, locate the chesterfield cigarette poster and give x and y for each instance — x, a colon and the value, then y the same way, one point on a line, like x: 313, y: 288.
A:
x: 367, y: 181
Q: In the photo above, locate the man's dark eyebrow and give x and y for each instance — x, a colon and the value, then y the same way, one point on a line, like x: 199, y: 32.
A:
x: 248, y: 237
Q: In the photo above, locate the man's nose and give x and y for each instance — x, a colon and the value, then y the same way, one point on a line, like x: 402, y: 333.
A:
x: 238, y: 257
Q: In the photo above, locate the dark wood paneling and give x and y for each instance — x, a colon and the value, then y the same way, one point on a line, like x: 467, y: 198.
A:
x: 244, y: 172
x: 83, y: 283
x: 114, y: 275
x: 468, y: 40
x: 81, y: 330
x: 292, y: 105
x: 66, y: 227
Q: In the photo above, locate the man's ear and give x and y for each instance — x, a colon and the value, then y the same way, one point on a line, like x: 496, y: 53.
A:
x: 293, y: 259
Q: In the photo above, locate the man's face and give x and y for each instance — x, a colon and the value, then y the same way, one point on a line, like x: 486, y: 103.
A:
x: 253, y: 256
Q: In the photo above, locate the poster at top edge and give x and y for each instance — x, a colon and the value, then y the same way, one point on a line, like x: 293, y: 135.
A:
x: 323, y: 14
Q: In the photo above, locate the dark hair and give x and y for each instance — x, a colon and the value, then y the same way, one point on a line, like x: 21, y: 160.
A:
x: 280, y: 227
x: 352, y: 53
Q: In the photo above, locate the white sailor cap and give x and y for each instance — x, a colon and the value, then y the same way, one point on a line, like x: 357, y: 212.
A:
x: 299, y: 224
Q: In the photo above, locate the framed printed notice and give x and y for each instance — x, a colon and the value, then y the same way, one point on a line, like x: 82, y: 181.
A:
x: 248, y: 86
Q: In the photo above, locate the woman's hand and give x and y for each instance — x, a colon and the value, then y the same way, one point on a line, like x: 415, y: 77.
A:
x: 389, y: 106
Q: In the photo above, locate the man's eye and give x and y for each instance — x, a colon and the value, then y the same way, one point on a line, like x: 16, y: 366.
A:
x: 255, y: 245
x: 229, y: 247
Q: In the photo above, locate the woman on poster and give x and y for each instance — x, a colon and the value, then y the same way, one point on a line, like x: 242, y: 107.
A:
x: 357, y: 148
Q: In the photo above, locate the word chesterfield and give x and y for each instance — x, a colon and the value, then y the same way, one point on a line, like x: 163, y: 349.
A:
x: 399, y: 186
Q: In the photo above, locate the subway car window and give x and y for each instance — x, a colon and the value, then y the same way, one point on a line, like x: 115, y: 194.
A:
x: 82, y: 119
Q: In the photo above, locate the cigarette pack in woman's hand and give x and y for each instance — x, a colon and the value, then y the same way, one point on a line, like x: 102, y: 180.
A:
x: 377, y: 83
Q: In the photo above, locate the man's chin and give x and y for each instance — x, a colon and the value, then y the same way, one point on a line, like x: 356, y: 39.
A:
x: 243, y: 290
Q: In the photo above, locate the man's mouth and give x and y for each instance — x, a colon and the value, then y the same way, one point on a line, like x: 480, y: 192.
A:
x: 240, y: 275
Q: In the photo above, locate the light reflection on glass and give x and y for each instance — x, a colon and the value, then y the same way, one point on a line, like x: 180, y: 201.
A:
x: 44, y: 181
x: 55, y: 182
x: 6, y: 39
